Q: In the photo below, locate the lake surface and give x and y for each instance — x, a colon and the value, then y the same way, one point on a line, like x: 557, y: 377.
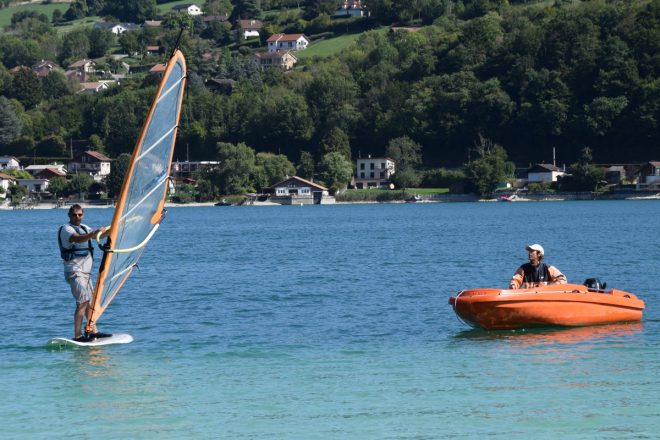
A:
x: 332, y: 322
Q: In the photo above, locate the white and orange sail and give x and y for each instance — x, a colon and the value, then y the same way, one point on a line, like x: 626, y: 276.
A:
x: 140, y: 205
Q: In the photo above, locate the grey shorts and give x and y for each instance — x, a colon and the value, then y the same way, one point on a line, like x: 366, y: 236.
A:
x: 81, y: 287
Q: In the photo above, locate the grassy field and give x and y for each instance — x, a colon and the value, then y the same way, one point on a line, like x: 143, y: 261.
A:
x: 332, y: 46
x: 167, y: 7
x: 87, y: 22
x: 6, y: 13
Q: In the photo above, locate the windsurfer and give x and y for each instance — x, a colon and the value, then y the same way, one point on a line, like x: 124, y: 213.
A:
x: 76, y: 249
x: 535, y: 272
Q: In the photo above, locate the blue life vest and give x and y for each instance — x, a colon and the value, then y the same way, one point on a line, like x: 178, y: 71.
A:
x: 78, y: 249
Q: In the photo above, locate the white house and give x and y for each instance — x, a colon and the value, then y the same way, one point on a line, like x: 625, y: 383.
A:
x: 34, y: 185
x: 117, y: 28
x: 249, y: 28
x: 5, y: 182
x: 287, y: 42
x: 544, y: 172
x: 93, y: 87
x: 374, y: 172
x: 9, y: 162
x: 298, y: 191
x: 352, y: 8
x: 189, y: 8
x: 92, y: 162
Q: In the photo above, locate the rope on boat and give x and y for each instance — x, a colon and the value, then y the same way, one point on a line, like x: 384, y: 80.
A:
x: 456, y: 313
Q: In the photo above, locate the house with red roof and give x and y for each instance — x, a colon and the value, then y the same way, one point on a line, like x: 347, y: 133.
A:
x: 287, y: 42
x: 92, y: 162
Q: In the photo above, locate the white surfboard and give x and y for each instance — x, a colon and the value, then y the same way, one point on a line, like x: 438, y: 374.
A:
x: 116, y: 338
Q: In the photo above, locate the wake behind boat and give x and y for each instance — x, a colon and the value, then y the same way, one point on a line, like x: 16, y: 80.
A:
x: 567, y: 305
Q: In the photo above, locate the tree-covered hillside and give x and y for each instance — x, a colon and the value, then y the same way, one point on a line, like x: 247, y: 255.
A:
x: 567, y: 75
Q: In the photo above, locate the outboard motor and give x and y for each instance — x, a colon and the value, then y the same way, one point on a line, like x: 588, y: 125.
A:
x: 594, y: 284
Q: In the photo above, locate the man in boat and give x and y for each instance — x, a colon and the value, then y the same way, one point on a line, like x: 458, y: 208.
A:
x: 536, y: 272
x: 75, y: 242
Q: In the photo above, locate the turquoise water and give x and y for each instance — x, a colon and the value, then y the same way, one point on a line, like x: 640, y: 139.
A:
x: 332, y: 322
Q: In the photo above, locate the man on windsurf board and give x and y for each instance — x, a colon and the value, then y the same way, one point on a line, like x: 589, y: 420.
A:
x: 75, y: 242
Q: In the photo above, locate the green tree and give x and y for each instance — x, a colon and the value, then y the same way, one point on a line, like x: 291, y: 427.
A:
x: 26, y: 87
x: 55, y: 85
x: 331, y: 96
x: 52, y: 145
x: 75, y: 45
x: 490, y: 169
x: 237, y: 162
x: 100, y: 40
x: 314, y: 8
x: 15, y: 51
x: 58, y: 186
x: 276, y: 167
x: 77, y: 9
x: 337, y: 141
x: 17, y: 193
x: 245, y: 9
x: 135, y: 11
x: 406, y: 178
x: 177, y: 21
x: 584, y: 176
x: 96, y: 143
x: 57, y: 16
x: 115, y: 179
x: 406, y: 153
x: 305, y: 168
x: 336, y: 171
x: 10, y: 123
x: 80, y: 184
x: 288, y: 120
x: 185, y: 193
x: 130, y: 43
x: 205, y: 191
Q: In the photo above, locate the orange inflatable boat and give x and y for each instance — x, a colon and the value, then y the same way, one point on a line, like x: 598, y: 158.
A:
x: 553, y: 305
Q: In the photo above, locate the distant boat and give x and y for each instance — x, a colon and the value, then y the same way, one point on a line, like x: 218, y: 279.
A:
x: 413, y: 199
x: 223, y: 202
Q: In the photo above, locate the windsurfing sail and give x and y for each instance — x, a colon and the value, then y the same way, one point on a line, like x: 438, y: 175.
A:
x: 139, y: 209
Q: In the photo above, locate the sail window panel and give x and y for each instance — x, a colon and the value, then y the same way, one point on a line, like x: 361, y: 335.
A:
x: 164, y: 119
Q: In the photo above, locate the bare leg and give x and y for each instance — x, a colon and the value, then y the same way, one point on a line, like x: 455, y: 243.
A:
x: 78, y: 318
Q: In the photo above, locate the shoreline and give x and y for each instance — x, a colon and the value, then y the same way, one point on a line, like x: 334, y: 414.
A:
x: 445, y: 198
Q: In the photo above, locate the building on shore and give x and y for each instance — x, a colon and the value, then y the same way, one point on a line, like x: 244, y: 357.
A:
x: 374, y: 172
x: 298, y: 191
x: 91, y: 162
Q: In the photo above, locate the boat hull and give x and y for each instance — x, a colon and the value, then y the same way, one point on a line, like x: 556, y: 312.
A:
x: 569, y: 305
